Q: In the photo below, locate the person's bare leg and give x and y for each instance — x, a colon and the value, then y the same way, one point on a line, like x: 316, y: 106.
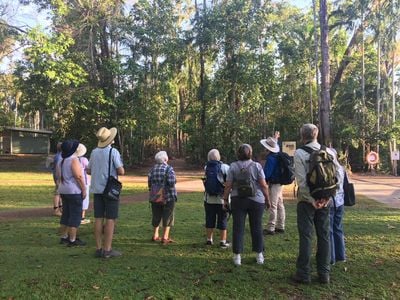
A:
x: 98, y: 232
x: 156, y: 234
x: 210, y: 232
x: 166, y: 233
x: 72, y: 233
x: 108, y: 234
x: 223, y: 235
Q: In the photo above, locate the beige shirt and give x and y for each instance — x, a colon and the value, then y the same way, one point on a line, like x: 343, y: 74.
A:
x: 301, y: 168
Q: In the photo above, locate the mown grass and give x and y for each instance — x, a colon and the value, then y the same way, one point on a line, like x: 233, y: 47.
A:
x: 35, y: 189
x: 34, y: 266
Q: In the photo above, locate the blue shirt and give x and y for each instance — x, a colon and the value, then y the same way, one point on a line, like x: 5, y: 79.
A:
x: 98, y: 166
x: 271, y: 169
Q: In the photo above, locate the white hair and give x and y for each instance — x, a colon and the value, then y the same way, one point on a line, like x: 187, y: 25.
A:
x: 161, y: 157
x: 213, y: 154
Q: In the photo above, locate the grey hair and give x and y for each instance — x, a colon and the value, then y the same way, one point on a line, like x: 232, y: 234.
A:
x: 244, y: 152
x: 161, y: 157
x: 309, y: 132
x: 213, y: 154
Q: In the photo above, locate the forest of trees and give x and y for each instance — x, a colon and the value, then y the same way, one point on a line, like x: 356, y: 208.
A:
x: 191, y: 75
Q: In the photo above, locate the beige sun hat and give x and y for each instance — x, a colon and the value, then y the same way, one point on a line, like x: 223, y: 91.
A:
x: 271, y: 144
x: 81, y: 150
x: 105, y: 136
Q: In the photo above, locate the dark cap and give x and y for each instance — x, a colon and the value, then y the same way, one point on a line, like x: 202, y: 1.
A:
x: 68, y: 148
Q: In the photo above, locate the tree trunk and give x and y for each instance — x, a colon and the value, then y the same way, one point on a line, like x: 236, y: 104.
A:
x: 325, y: 80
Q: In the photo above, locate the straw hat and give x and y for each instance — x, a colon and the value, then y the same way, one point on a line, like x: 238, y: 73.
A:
x: 68, y: 148
x: 105, y: 136
x: 81, y: 150
x: 271, y: 144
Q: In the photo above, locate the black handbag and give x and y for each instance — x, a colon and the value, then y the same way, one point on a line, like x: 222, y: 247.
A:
x: 113, y: 187
x: 349, y: 194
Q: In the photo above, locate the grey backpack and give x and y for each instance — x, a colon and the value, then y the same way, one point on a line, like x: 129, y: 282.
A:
x: 245, y: 184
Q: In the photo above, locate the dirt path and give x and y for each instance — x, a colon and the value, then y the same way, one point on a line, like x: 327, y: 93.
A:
x: 385, y: 189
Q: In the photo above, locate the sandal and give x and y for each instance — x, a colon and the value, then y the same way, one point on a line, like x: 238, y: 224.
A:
x: 155, y: 239
x: 167, y: 241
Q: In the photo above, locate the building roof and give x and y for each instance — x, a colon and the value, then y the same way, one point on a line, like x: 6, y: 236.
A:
x: 29, y: 130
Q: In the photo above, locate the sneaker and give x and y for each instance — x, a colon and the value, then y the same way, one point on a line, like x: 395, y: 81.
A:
x: 298, y: 279
x: 64, y: 240
x: 77, y: 242
x: 260, y: 258
x: 278, y: 230
x: 111, y: 253
x: 224, y: 245
x: 85, y: 221
x: 237, y: 260
x: 209, y: 243
x: 268, y: 232
x: 98, y: 253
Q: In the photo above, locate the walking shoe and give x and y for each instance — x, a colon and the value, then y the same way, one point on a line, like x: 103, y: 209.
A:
x: 98, y: 253
x: 237, y: 260
x: 85, y: 221
x: 298, y: 279
x: 324, y: 278
x: 209, y: 243
x: 224, y: 245
x: 111, y: 253
x: 77, y: 242
x: 64, y: 240
x: 260, y: 258
x: 268, y: 232
x: 278, y: 230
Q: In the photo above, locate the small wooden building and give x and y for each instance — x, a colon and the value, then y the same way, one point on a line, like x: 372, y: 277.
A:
x: 14, y: 140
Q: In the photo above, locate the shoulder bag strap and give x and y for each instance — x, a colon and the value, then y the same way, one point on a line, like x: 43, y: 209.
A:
x: 109, y: 163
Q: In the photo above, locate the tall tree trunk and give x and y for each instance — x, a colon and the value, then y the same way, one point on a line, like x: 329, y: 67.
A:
x: 202, y: 88
x: 325, y: 72
x: 316, y: 54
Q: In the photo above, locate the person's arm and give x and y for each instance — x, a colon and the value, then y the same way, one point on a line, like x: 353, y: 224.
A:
x: 227, y: 191
x: 264, y: 189
x: 77, y: 172
x: 121, y: 171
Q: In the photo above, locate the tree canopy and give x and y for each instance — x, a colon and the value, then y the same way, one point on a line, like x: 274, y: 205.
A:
x: 191, y: 75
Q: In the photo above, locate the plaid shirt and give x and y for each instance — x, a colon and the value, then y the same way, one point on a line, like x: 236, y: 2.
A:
x: 156, y: 176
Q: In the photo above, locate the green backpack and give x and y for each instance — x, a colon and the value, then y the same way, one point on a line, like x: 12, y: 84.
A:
x: 321, y: 177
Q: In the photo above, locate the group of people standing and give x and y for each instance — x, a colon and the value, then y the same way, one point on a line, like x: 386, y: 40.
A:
x: 251, y: 198
x: 325, y: 215
x: 72, y: 185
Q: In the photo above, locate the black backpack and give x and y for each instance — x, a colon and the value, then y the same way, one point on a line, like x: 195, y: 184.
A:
x: 285, y: 169
x: 321, y: 177
x: 211, y: 183
x: 245, y: 184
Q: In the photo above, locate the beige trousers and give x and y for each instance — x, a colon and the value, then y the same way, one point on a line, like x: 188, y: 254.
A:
x: 277, y: 213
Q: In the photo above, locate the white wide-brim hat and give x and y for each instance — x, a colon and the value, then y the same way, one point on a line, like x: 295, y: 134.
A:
x: 81, y: 150
x: 271, y: 144
x: 105, y: 136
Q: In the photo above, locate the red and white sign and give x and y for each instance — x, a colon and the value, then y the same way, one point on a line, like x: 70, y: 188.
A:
x: 372, y: 158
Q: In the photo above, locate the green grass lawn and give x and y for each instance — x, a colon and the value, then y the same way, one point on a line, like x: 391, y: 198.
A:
x: 34, y: 265
x: 35, y: 189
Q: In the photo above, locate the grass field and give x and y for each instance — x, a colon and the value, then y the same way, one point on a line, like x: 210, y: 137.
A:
x: 34, y: 265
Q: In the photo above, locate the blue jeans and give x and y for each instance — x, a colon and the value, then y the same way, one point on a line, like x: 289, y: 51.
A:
x: 307, y: 218
x: 338, y: 250
x: 241, y: 207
